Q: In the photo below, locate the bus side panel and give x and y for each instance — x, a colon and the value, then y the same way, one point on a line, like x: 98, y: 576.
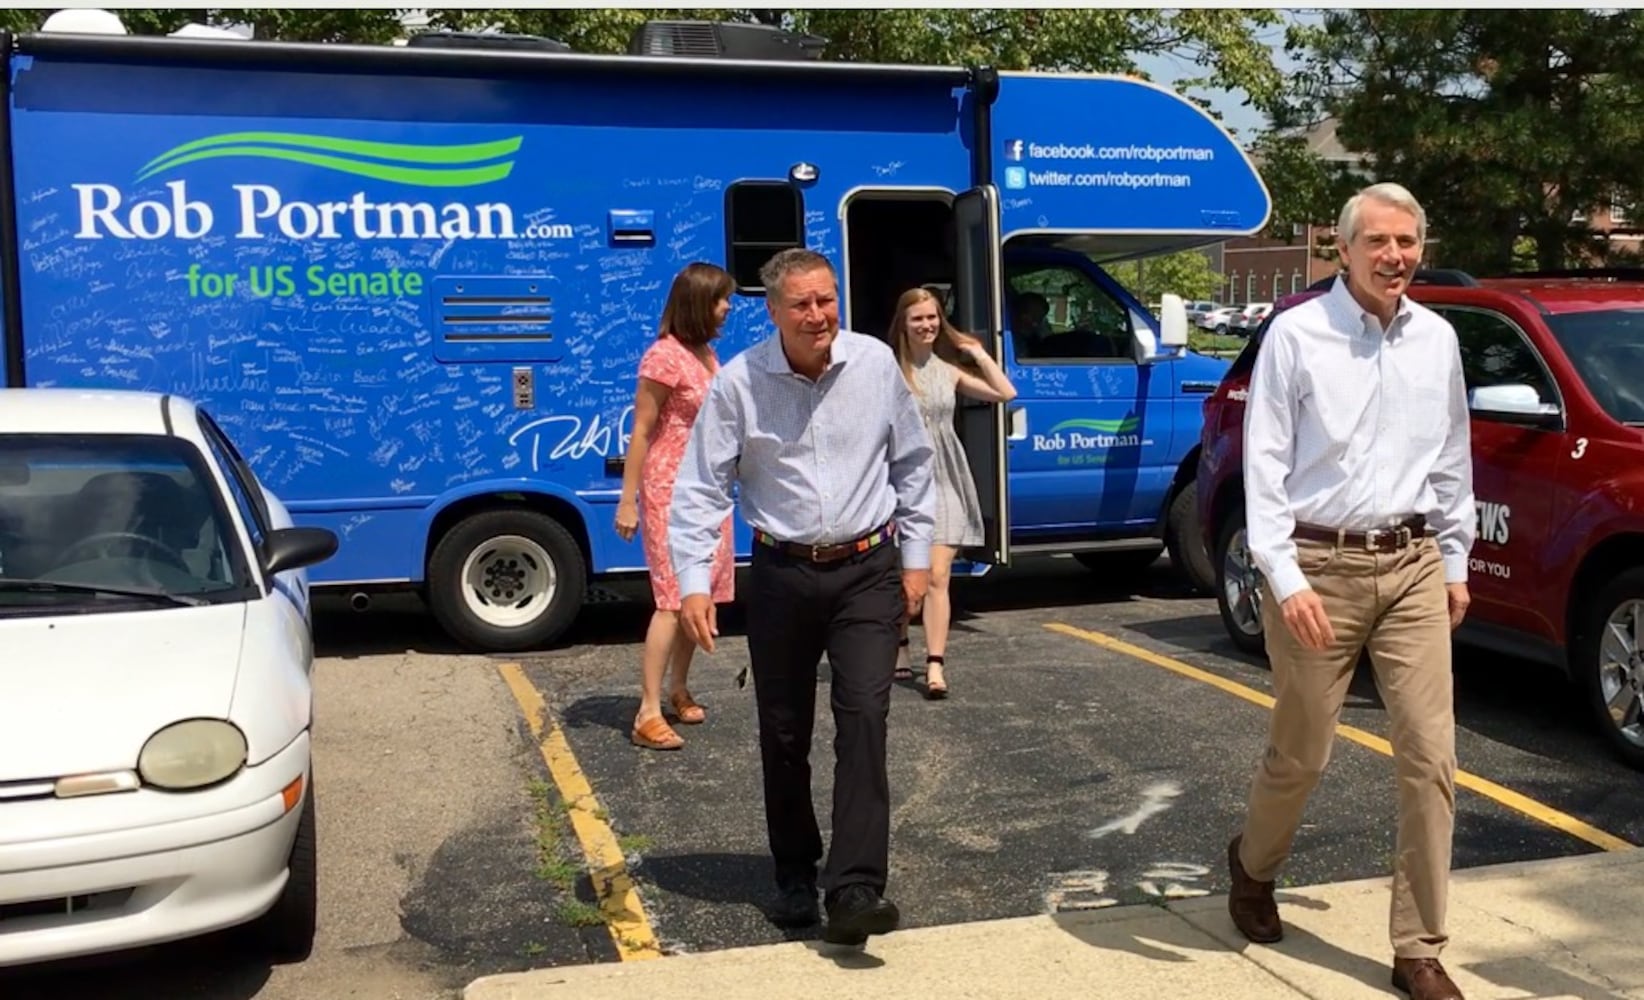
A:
x: 389, y: 289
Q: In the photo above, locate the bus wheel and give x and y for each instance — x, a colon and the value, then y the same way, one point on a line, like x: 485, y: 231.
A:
x: 506, y: 580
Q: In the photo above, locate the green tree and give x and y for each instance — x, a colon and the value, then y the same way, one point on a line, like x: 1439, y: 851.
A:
x: 1186, y: 273
x: 1305, y: 189
x: 1221, y: 43
x: 1505, y: 123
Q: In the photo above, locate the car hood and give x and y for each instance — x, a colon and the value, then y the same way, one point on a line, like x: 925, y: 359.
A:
x: 83, y: 693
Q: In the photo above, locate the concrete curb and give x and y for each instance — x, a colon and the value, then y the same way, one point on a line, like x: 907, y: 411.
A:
x: 1558, y: 928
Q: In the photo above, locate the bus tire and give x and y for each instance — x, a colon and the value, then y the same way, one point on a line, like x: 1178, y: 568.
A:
x: 506, y: 581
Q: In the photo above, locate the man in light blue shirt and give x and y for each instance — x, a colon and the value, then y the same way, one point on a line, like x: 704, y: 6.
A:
x: 1359, y: 511
x: 824, y: 437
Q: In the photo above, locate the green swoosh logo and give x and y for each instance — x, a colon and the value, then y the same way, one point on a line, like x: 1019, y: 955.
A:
x: 461, y: 165
x: 1123, y: 425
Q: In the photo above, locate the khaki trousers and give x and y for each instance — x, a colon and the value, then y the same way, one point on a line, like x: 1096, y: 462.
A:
x: 1395, y: 605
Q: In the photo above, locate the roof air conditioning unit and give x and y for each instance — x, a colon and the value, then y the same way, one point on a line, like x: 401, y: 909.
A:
x: 723, y: 40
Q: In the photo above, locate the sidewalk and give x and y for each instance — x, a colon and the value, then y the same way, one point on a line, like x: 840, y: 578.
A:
x: 1566, y: 929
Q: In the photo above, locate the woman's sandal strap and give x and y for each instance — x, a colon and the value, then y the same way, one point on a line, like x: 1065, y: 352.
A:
x: 940, y: 689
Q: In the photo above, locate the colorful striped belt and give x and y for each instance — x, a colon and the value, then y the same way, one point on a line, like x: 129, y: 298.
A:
x: 832, y: 552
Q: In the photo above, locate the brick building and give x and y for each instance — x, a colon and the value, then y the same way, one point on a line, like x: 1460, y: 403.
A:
x: 1263, y: 268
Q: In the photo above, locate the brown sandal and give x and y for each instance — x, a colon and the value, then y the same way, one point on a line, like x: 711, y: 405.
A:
x: 655, y: 734
x: 689, y: 712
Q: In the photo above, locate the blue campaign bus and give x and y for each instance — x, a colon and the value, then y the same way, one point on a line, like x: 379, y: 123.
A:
x: 413, y: 283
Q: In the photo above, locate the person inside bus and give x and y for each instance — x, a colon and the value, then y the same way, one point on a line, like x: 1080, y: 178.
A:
x: 674, y: 375
x: 1030, y: 323
x: 938, y: 362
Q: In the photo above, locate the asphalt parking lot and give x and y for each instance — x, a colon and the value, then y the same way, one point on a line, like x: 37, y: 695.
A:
x: 1066, y: 773
x: 1094, y: 752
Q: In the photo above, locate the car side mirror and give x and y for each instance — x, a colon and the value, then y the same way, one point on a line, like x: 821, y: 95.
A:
x: 295, y: 548
x: 1172, y: 332
x: 1172, y: 321
x: 1513, y: 403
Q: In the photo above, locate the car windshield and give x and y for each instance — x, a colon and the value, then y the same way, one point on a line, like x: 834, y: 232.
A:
x: 1607, y: 349
x: 111, y: 521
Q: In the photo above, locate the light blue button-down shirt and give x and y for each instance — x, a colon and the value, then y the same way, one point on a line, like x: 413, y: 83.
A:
x: 1350, y: 426
x: 817, y: 462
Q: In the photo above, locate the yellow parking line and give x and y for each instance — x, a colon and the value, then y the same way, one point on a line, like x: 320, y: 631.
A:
x: 618, y: 898
x: 1485, y: 787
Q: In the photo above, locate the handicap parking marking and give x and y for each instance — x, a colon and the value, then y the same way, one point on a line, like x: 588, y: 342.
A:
x: 614, y: 888
x: 1500, y: 794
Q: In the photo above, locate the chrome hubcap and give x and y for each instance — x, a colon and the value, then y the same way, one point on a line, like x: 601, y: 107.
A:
x: 1241, y: 585
x: 1621, y: 670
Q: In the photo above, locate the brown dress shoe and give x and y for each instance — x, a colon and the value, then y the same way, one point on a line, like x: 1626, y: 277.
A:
x: 1251, y: 903
x: 1424, y: 979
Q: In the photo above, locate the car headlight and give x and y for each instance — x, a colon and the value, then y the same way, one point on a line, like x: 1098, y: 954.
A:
x: 192, y: 754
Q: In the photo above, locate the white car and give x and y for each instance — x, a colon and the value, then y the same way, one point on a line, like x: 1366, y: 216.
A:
x: 1218, y: 319
x: 156, y: 699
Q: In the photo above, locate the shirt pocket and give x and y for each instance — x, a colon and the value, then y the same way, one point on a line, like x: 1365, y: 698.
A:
x: 1427, y: 415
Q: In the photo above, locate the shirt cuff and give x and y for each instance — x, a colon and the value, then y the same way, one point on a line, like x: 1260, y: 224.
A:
x: 694, y: 580
x: 1286, y: 580
x: 915, y: 555
x: 1455, y: 567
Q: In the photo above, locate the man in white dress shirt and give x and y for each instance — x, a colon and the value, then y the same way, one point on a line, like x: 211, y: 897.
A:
x: 1359, y: 512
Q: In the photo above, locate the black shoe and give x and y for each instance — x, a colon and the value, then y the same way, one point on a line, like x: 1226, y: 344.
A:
x: 795, y: 905
x: 855, y: 912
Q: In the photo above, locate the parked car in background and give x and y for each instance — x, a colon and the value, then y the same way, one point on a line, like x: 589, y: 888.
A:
x: 1216, y: 320
x: 155, y: 706
x: 1200, y: 308
x: 1554, y: 365
x: 1244, y: 323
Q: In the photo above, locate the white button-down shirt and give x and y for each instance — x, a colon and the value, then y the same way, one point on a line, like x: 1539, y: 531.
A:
x: 1350, y: 426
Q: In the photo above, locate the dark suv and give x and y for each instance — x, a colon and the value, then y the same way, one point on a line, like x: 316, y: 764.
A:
x: 1554, y: 365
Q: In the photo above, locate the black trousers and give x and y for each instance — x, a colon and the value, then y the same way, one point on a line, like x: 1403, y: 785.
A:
x: 852, y: 609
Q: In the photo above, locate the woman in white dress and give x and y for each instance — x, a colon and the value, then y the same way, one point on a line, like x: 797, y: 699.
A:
x: 939, y: 362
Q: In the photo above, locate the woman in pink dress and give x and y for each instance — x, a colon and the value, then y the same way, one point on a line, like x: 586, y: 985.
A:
x: 673, y: 381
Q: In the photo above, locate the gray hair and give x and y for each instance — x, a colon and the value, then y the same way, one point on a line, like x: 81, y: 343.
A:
x: 794, y: 260
x: 1388, y: 193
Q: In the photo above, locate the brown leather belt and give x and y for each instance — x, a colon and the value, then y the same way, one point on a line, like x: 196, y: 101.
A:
x: 1391, y: 538
x: 828, y: 553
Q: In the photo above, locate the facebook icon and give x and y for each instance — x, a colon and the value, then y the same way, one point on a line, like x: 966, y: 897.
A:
x: 1016, y: 178
x: 1013, y: 149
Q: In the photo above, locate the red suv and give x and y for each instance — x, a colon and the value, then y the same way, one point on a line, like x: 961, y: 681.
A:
x: 1554, y: 364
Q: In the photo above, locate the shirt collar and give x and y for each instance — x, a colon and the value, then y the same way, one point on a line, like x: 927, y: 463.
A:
x: 1364, y: 322
x: 776, y: 361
